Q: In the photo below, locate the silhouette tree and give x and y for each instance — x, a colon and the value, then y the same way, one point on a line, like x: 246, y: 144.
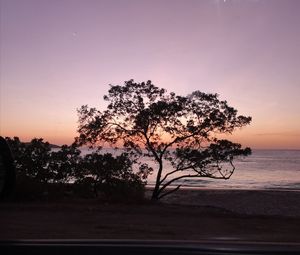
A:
x: 182, y: 130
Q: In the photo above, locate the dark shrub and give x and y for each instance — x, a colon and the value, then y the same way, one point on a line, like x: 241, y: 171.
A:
x: 43, y: 173
x: 31, y: 159
x: 111, y: 177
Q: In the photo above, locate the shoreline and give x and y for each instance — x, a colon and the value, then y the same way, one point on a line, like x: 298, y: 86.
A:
x: 225, y: 189
x: 242, y: 202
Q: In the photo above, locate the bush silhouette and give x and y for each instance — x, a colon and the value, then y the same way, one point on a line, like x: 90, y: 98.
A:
x: 43, y: 172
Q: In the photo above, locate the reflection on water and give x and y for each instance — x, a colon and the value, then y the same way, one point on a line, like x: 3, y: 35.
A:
x: 264, y: 169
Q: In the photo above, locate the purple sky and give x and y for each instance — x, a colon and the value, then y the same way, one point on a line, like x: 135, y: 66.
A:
x: 59, y: 54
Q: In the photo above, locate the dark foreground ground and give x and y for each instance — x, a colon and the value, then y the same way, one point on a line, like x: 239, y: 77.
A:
x: 188, y: 215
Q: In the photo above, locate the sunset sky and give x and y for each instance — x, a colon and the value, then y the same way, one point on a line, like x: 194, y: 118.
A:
x: 57, y: 55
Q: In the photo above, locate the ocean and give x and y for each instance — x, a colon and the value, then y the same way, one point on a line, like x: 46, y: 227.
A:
x: 264, y: 169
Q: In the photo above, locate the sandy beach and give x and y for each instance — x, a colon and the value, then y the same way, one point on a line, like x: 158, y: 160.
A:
x: 186, y: 215
x: 245, y: 202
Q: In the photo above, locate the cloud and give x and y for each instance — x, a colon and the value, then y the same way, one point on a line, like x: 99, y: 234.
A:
x: 279, y: 134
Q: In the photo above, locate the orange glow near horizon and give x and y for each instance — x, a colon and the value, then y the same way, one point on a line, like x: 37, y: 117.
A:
x: 246, y: 137
x: 55, y: 57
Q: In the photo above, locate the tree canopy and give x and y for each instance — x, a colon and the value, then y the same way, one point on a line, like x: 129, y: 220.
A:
x: 40, y: 169
x: 183, y: 130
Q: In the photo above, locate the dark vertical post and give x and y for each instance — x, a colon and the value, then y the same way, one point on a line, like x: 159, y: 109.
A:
x: 7, y: 171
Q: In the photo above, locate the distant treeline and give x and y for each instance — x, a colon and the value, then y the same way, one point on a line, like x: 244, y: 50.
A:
x: 44, y: 172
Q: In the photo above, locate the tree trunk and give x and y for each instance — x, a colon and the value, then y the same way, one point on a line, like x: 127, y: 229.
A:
x: 95, y: 189
x: 155, y: 193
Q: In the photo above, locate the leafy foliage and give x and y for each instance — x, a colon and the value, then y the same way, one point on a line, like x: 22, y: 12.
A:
x: 31, y: 159
x: 109, y: 175
x: 43, y: 170
x: 64, y: 163
x: 149, y: 122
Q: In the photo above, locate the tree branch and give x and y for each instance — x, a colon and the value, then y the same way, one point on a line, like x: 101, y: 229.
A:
x: 177, y: 139
x: 118, y: 125
x: 172, y: 172
x: 200, y: 175
x: 231, y: 172
x: 177, y: 178
x: 169, y: 192
x: 158, y: 159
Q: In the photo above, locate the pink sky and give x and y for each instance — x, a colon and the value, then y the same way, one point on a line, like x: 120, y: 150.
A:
x: 59, y: 55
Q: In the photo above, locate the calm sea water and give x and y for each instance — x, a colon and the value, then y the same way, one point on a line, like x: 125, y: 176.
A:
x: 264, y: 169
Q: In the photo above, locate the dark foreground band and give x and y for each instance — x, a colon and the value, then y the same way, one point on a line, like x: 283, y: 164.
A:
x: 147, y: 247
